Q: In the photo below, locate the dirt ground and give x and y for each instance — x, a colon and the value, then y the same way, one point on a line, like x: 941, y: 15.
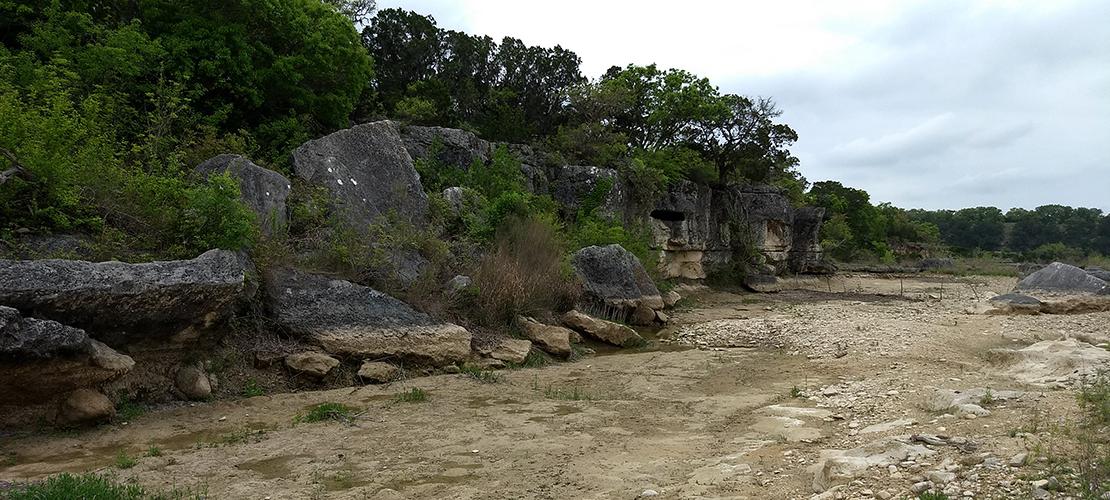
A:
x: 738, y: 399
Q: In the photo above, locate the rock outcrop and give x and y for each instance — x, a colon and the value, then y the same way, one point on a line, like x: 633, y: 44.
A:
x: 449, y: 147
x: 573, y: 184
x: 699, y: 230
x: 353, y: 321
x: 261, y: 189
x: 368, y: 172
x: 615, y: 283
x: 1062, y: 278
x: 131, y: 302
x: 40, y: 359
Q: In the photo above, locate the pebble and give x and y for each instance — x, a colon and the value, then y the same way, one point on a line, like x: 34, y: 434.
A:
x: 649, y: 493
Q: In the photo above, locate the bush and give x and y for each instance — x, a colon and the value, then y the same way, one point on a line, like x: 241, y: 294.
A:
x: 524, y: 274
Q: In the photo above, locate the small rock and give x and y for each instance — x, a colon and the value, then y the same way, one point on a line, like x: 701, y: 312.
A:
x: 377, y: 372
x: 316, y: 364
x: 940, y: 477
x: 193, y: 383
x: 921, y: 487
x: 85, y: 406
x: 649, y: 493
x: 452, y: 369
x: 1019, y: 459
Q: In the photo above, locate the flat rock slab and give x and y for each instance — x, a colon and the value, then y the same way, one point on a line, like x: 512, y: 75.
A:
x: 368, y: 173
x: 841, y: 466
x: 349, y: 320
x: 605, y: 331
x: 151, y: 299
x: 1055, y: 363
x: 1063, y: 278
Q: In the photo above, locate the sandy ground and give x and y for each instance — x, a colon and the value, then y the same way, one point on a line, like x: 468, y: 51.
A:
x: 775, y: 380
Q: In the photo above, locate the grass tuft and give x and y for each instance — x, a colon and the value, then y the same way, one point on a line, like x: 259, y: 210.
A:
x: 414, y: 395
x: 327, y: 411
x: 125, y: 461
x: 477, y: 373
x: 91, y: 486
x: 251, y: 389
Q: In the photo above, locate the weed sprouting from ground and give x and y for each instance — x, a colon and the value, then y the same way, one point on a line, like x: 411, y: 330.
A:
x: 127, y: 410
x: 795, y: 392
x: 988, y: 398
x: 477, y: 373
x: 251, y: 389
x: 567, y: 394
x: 535, y: 359
x: 154, y: 451
x: 931, y: 495
x: 414, y: 395
x: 327, y: 411
x: 125, y: 461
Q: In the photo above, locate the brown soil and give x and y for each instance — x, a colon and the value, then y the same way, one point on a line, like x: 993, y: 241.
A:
x: 684, y: 422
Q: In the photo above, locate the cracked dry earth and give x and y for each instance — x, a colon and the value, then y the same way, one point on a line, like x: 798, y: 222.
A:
x: 767, y: 390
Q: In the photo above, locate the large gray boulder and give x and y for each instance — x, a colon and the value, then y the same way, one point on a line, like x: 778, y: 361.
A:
x: 116, y: 299
x: 368, y: 173
x: 261, y: 189
x: 448, y: 146
x: 1062, y: 278
x: 353, y: 321
x: 1099, y: 273
x: 614, y: 282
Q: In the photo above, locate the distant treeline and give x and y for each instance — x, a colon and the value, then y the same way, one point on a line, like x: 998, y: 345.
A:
x: 856, y: 229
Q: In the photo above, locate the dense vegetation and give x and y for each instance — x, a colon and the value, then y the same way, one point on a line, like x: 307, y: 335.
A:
x: 856, y: 229
x: 106, y: 107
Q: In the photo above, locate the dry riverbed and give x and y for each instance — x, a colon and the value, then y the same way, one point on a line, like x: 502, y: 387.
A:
x: 745, y: 396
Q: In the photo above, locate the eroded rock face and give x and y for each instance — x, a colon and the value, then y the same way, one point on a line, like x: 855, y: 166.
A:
x: 127, y: 301
x: 368, y: 172
x: 574, y: 184
x: 41, y: 359
x: 1063, y: 279
x: 699, y: 229
x: 349, y: 320
x: 263, y: 190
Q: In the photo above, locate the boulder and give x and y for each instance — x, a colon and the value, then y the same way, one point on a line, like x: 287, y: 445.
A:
x: 84, y: 406
x: 40, y: 359
x: 448, y: 146
x: 555, y: 340
x: 115, y: 299
x: 1014, y: 303
x: 459, y: 283
x: 455, y: 199
x: 614, y: 278
x: 350, y: 320
x: 642, y: 315
x: 316, y: 364
x: 671, y: 298
x: 193, y: 382
x: 512, y: 351
x: 261, y: 189
x: 1064, y: 279
x: 368, y: 173
x: 377, y: 372
x: 29, y: 338
x: 605, y: 331
x: 1099, y: 273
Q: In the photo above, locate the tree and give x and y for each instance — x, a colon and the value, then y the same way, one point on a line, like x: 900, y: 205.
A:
x: 355, y: 10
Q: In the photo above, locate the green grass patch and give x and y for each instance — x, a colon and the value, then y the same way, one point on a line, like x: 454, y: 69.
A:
x: 91, y: 486
x: 414, y: 395
x: 567, y: 393
x: 154, y: 451
x: 327, y: 411
x: 125, y: 461
x: 128, y: 410
x: 932, y: 495
x: 477, y: 373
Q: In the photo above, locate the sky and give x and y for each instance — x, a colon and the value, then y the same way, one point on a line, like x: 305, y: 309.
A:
x: 925, y: 104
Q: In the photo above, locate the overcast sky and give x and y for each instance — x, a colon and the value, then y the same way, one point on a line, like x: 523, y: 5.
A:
x: 925, y: 104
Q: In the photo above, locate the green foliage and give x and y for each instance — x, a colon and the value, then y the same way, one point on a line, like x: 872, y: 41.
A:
x: 327, y: 411
x: 128, y: 410
x: 414, y: 395
x: 252, y: 389
x: 90, y: 486
x: 125, y: 461
x: 154, y: 451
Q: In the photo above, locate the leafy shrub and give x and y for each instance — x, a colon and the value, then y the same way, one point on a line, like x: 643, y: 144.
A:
x: 523, y: 274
